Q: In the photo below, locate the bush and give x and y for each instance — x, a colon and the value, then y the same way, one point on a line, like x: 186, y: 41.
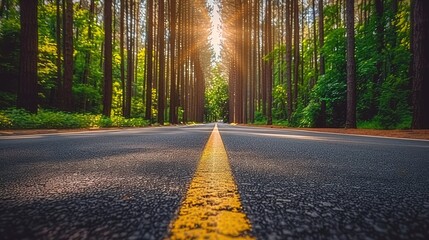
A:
x: 308, y: 116
x: 21, y: 119
x: 260, y: 119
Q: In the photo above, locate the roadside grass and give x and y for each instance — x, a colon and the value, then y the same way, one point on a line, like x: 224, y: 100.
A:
x: 46, y: 119
x: 372, y: 124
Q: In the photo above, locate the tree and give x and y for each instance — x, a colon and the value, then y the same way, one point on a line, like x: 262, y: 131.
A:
x: 107, y: 90
x: 59, y: 81
x: 161, y: 49
x: 269, y: 64
x: 351, y: 67
x: 149, y: 56
x: 293, y: 52
x: 296, y: 51
x: 121, y: 52
x: 289, y: 58
x: 67, y: 95
x: 322, y: 118
x: 420, y: 49
x: 173, y: 76
x: 27, y: 93
x: 129, y: 5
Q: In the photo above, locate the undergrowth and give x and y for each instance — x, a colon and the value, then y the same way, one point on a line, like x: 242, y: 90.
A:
x: 21, y: 119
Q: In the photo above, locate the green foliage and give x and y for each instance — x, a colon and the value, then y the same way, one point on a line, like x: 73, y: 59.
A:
x: 279, y: 102
x: 117, y: 99
x: 383, y: 94
x: 154, y: 105
x: 216, y: 97
x: 7, y: 100
x: 330, y: 87
x: 86, y: 95
x: 383, y: 87
x: 383, y: 84
x: 9, y: 52
x: 394, y: 110
x: 260, y: 119
x: 20, y: 119
x: 307, y: 116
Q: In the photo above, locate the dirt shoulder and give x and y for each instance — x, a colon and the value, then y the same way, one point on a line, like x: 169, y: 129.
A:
x: 412, y: 134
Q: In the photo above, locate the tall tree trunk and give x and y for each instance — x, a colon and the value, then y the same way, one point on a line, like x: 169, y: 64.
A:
x: 296, y: 51
x: 264, y: 63
x: 351, y: 67
x: 322, y: 117
x: 246, y: 55
x: 68, y: 56
x: 379, y: 10
x: 173, y: 78
x: 149, y: 57
x: 136, y: 45
x: 27, y: 92
x: 316, y: 69
x: 161, y: 49
x: 107, y: 93
x: 121, y: 51
x: 420, y: 49
x: 130, y: 64
x: 269, y: 71
x: 289, y: 58
x: 321, y: 38
x: 254, y: 31
x: 58, y: 96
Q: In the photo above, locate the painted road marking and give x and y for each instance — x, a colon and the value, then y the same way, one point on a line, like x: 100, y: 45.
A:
x: 212, y: 208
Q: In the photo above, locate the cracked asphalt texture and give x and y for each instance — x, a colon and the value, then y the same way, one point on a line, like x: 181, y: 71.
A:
x: 128, y: 184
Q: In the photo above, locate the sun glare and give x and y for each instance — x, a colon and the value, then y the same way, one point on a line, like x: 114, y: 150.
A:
x: 216, y: 31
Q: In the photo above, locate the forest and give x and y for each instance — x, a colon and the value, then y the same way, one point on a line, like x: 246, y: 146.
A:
x: 297, y: 63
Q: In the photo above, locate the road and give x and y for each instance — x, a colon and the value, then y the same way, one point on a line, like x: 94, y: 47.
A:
x: 136, y: 183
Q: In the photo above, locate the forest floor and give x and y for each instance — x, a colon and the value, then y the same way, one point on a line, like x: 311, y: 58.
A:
x: 412, y: 134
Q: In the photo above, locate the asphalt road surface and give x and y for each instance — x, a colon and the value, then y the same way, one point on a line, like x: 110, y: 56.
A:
x: 129, y: 184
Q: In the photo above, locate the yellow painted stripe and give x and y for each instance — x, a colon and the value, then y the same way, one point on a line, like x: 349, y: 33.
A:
x: 212, y: 208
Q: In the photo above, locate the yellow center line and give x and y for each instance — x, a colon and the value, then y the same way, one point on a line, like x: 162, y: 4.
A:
x: 212, y: 208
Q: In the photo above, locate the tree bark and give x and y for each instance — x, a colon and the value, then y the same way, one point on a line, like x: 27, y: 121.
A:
x: 121, y: 51
x: 173, y: 78
x: 27, y: 92
x: 130, y: 63
x: 68, y: 56
x: 420, y: 49
x: 289, y: 58
x: 149, y: 57
x: 161, y: 48
x: 269, y: 71
x: 58, y: 96
x: 107, y: 93
x: 351, y: 67
x: 315, y: 51
x: 296, y: 52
